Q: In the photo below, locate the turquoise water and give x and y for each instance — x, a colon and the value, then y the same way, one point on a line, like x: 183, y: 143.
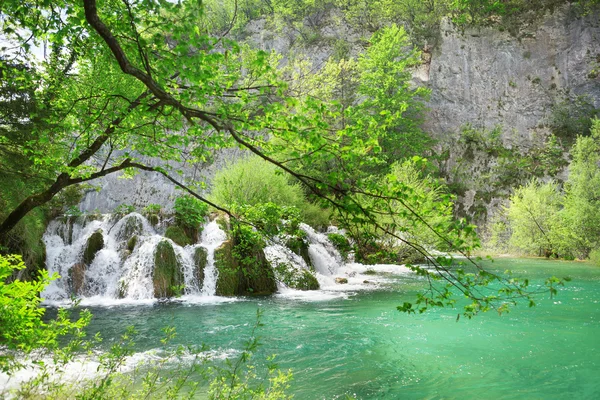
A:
x: 362, y: 347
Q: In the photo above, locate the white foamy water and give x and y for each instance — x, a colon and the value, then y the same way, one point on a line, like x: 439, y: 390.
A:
x: 121, y: 276
x: 87, y: 367
x: 116, y: 275
x: 212, y: 238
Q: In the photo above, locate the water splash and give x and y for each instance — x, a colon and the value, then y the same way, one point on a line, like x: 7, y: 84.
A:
x: 212, y: 238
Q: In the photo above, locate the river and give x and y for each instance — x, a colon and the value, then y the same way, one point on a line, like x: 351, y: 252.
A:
x: 355, y: 343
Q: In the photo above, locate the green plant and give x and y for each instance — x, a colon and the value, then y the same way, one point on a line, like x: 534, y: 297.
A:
x: 252, y: 181
x: 341, y: 243
x: 190, y: 212
x: 152, y: 209
x: 23, y: 327
x: 123, y: 209
x: 595, y: 257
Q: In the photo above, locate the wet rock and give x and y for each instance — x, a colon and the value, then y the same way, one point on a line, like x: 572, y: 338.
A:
x: 178, y: 235
x: 94, y: 244
x: 227, y: 280
x: 247, y: 273
x: 299, y: 246
x: 132, y: 226
x: 167, y: 276
x: 341, y: 280
x: 131, y: 243
x: 77, y: 278
x: 200, y: 260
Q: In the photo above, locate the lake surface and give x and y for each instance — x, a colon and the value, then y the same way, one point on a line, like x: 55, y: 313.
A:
x: 356, y: 344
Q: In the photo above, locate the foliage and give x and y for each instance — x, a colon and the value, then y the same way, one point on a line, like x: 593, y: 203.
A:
x: 272, y: 219
x: 190, y: 212
x: 582, y: 193
x: 341, y: 243
x: 172, y: 372
x: 152, y: 209
x: 533, y: 217
x: 129, y: 81
x: 252, y: 181
x: 22, y: 324
x: 123, y: 209
x: 572, y: 117
x: 542, y: 220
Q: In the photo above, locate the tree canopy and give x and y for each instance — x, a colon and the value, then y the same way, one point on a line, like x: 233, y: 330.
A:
x: 128, y: 80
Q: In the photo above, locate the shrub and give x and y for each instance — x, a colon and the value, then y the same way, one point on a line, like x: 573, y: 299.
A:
x: 123, y: 209
x: 190, y: 212
x: 595, y: 257
x: 253, y: 181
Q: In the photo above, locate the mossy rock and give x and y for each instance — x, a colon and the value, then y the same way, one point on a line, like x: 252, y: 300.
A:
x: 76, y: 278
x: 341, y: 243
x: 200, y: 261
x: 227, y: 280
x: 296, y: 278
x: 167, y: 276
x: 256, y: 278
x: 178, y: 235
x: 94, y: 244
x: 154, y: 219
x: 132, y: 226
x: 132, y: 242
x: 122, y: 289
x: 299, y: 247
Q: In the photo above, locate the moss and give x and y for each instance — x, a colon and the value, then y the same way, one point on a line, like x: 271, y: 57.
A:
x: 167, y: 276
x: 200, y: 260
x: 370, y: 271
x: 227, y: 281
x: 94, y: 244
x: 258, y: 277
x: 246, y: 273
x: 341, y: 243
x: 300, y: 247
x: 132, y: 242
x: 308, y: 281
x: 132, y: 226
x: 178, y: 235
x: 294, y: 278
x: 153, y: 219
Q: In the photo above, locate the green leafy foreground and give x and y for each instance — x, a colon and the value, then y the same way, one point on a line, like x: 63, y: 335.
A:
x: 177, y: 371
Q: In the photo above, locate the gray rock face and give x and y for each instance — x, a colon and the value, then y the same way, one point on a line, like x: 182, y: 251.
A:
x: 150, y: 187
x: 488, y: 78
x: 481, y: 77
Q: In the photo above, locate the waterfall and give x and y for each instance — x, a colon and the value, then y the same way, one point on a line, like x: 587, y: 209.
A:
x: 123, y: 267
x: 104, y: 258
x: 326, y: 259
x: 212, y: 238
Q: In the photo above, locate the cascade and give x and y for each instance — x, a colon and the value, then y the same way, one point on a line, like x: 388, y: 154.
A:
x: 122, y: 265
x: 212, y: 238
x: 326, y: 259
x: 105, y: 258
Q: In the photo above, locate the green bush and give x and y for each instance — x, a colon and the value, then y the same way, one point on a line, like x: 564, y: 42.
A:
x: 123, y: 209
x: 341, y: 243
x: 22, y: 323
x: 595, y: 257
x: 190, y: 212
x: 253, y: 181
